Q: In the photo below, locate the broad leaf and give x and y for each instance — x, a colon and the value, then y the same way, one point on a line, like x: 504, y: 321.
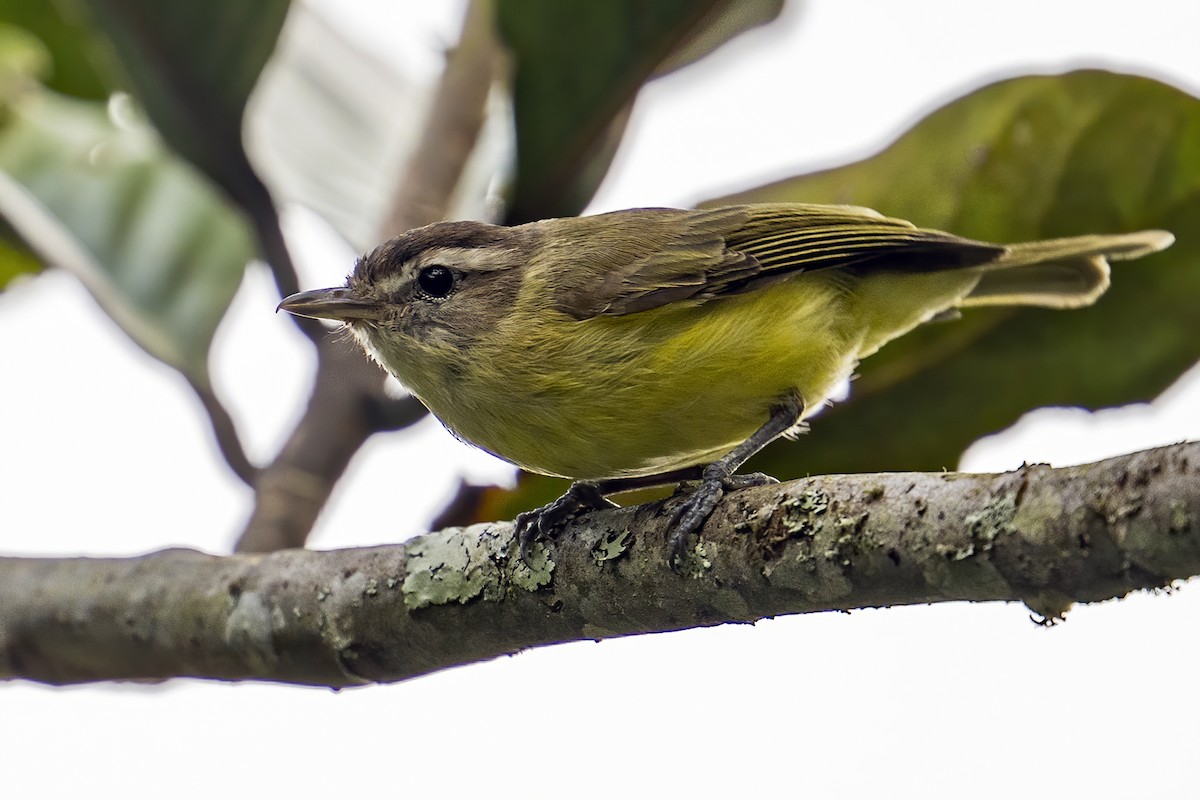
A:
x: 578, y: 67
x: 724, y: 21
x: 71, y: 52
x: 323, y: 126
x: 24, y: 58
x: 149, y: 237
x: 192, y: 66
x: 331, y: 126
x: 15, y: 258
x: 1027, y: 158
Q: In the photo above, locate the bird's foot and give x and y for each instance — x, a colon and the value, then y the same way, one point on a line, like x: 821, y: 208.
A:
x: 700, y: 504
x: 545, y: 521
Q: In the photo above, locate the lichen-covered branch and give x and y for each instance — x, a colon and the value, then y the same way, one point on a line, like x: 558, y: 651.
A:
x: 1046, y: 537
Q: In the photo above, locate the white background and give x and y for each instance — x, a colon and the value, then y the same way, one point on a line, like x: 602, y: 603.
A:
x: 104, y: 451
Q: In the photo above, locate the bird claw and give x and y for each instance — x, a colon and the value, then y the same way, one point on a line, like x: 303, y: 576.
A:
x: 542, y: 523
x: 749, y: 480
x: 689, y: 517
x: 691, y: 514
x: 700, y: 504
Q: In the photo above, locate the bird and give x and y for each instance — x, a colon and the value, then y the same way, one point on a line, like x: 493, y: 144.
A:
x: 648, y: 346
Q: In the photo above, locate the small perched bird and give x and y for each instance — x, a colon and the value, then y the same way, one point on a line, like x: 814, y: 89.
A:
x: 651, y: 345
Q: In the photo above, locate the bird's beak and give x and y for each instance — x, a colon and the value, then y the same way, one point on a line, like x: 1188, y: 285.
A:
x: 337, y: 304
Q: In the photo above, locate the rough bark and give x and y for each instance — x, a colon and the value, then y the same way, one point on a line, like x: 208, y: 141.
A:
x: 1046, y: 537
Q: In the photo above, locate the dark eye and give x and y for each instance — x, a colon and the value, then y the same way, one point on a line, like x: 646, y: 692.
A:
x: 436, y: 281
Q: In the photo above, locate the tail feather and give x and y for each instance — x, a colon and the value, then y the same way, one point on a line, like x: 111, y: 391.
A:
x: 1060, y: 273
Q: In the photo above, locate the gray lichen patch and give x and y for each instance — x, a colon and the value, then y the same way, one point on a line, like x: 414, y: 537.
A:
x: 454, y: 565
x: 982, y: 528
x: 1180, y: 522
x: 695, y: 561
x: 535, y: 571
x: 847, y: 530
x: 802, y: 516
x: 960, y: 559
x: 796, y: 517
x: 750, y: 522
x: 458, y: 565
x: 611, y: 545
x: 248, y: 631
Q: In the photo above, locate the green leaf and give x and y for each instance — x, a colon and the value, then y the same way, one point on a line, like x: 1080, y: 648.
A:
x: 578, y: 67
x: 15, y: 258
x: 98, y: 194
x: 324, y: 130
x: 725, y: 21
x: 1022, y: 159
x: 70, y: 50
x: 192, y: 65
x: 23, y: 59
x: 1028, y: 158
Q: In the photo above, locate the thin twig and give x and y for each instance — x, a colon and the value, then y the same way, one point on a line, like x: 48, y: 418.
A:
x: 346, y: 408
x: 253, y: 196
x: 225, y: 432
x: 256, y: 199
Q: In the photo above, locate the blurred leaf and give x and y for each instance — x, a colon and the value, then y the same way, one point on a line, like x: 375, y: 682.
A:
x: 330, y: 127
x: 725, y: 21
x: 324, y: 127
x: 70, y: 49
x: 578, y: 67
x: 192, y: 65
x: 23, y: 60
x: 15, y: 258
x: 99, y: 195
x: 1027, y: 158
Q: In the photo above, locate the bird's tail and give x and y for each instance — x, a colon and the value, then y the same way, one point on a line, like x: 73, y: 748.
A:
x: 1060, y: 273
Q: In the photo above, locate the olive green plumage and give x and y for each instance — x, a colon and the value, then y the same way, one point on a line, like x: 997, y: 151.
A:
x: 642, y: 341
x: 626, y: 349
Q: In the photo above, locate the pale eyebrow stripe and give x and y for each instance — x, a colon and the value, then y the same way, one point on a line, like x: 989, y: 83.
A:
x: 480, y: 258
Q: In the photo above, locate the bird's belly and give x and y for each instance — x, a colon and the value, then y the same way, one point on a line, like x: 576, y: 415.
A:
x: 646, y: 393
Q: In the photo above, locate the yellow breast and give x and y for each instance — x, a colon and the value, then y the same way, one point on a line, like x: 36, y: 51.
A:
x: 644, y: 393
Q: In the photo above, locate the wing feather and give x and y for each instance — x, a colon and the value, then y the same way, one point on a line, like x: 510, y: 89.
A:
x: 646, y: 258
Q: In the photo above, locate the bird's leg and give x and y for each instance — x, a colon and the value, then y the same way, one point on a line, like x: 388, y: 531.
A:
x: 582, y: 496
x: 719, y: 476
x: 586, y: 496
x: 714, y: 480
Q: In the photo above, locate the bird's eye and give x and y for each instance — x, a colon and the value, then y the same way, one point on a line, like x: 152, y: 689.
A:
x: 436, y: 281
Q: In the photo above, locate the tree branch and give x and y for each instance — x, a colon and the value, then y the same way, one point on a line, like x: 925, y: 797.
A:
x: 347, y: 407
x: 225, y: 432
x: 1047, y: 537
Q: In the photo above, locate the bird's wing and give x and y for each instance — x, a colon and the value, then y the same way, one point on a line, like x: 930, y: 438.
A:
x: 640, y: 260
